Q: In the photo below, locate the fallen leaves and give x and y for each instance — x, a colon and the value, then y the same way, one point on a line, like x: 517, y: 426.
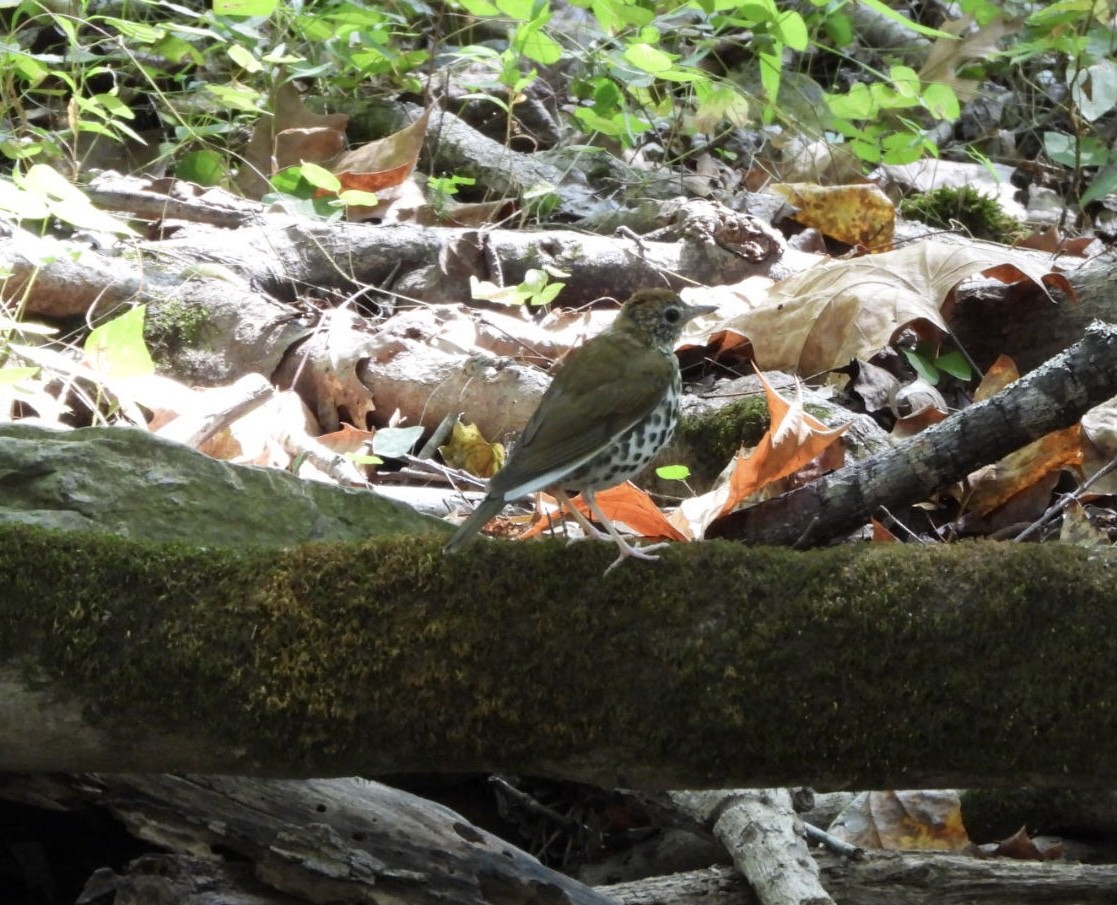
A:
x: 837, y: 311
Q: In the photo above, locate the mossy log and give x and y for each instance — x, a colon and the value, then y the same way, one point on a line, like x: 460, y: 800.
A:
x: 863, y: 667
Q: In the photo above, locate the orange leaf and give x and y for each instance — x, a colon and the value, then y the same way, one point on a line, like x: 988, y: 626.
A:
x: 998, y: 483
x: 1000, y: 374
x: 629, y: 504
x: 881, y: 535
x: 385, y: 162
x: 794, y: 440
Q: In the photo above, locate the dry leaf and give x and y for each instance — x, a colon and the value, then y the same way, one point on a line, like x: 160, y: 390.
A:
x: 469, y: 450
x: 628, y: 504
x: 347, y: 439
x: 1023, y: 848
x: 268, y: 144
x: 928, y: 820
x: 996, y: 484
x: 1000, y: 374
x: 794, y: 440
x: 946, y: 55
x: 837, y: 311
x: 881, y: 535
x: 855, y: 214
x: 384, y: 167
x: 1078, y: 529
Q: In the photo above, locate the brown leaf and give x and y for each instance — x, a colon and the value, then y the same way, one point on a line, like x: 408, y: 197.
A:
x: 855, y: 214
x: 996, y: 484
x: 1000, y: 374
x: 836, y: 311
x: 881, y: 535
x: 1078, y: 529
x: 928, y: 820
x: 381, y: 166
x: 268, y: 143
x: 1022, y: 848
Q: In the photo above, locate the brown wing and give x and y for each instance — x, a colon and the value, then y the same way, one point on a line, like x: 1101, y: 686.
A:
x: 603, y: 389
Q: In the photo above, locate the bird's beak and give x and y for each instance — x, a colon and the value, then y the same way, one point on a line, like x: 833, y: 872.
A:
x: 694, y: 311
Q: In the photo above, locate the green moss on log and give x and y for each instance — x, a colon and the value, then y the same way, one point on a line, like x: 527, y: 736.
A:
x: 718, y: 661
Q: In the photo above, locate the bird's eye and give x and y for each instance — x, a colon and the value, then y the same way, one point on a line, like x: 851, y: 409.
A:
x: 672, y: 315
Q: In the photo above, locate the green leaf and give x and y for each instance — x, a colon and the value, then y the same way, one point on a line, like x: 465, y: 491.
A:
x: 941, y: 102
x: 648, y: 59
x: 537, y: 45
x: 1094, y: 89
x: 358, y: 197
x: 237, y: 97
x: 117, y: 348
x: 1103, y: 184
x: 135, y: 32
x: 858, y: 103
x: 790, y: 29
x: 262, y: 8
x: 922, y: 365
x: 22, y: 204
x: 358, y: 459
x: 955, y: 364
x: 905, y: 80
x: 770, y: 75
x: 11, y: 374
x: 394, y: 442
x: 68, y: 203
x: 319, y: 177
x: 883, y: 9
x: 244, y: 58
x: 203, y: 167
x: 547, y: 294
x: 1060, y: 147
x: 839, y: 28
x: 516, y: 9
x: 673, y: 472
x: 620, y: 124
x: 479, y: 8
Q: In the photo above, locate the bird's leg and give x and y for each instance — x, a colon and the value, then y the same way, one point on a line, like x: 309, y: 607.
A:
x: 625, y: 547
x: 587, y: 526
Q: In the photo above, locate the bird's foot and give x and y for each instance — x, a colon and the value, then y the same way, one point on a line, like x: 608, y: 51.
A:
x: 628, y: 550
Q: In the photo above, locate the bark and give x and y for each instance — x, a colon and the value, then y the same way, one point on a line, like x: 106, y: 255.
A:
x: 760, y: 830
x: 891, y: 877
x: 1049, y: 398
x: 322, y: 841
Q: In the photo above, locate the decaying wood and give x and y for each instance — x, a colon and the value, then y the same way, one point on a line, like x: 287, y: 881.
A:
x: 908, y: 878
x: 323, y: 841
x: 1049, y: 398
x: 765, y: 839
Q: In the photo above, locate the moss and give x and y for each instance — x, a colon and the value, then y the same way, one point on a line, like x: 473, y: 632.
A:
x: 706, y: 443
x: 173, y: 325
x: 952, y: 208
x: 718, y: 662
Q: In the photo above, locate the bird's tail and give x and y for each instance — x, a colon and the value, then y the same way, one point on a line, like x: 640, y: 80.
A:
x: 485, y: 510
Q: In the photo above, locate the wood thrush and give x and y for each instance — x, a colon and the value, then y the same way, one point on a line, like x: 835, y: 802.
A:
x: 612, y: 405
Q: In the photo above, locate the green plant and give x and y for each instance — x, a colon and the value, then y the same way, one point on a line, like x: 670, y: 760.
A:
x: 535, y: 289
x: 874, y: 117
x: 924, y: 357
x: 1072, y: 40
x: 950, y: 208
x: 315, y: 191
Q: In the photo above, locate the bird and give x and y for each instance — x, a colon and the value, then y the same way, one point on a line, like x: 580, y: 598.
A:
x: 612, y: 405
